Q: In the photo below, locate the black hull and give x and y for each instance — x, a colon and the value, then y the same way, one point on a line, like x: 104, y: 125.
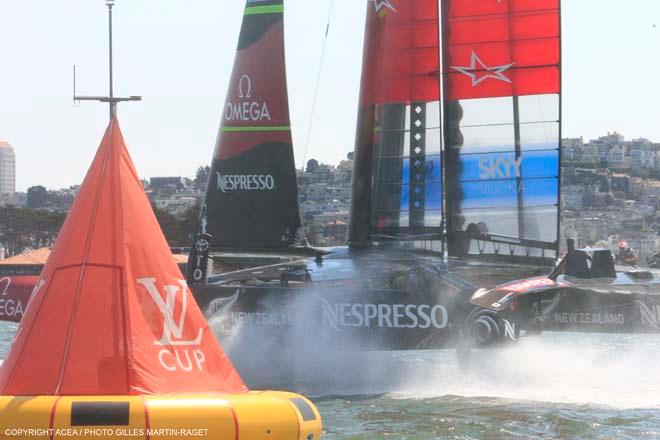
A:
x: 339, y: 318
x: 373, y: 319
x: 634, y: 309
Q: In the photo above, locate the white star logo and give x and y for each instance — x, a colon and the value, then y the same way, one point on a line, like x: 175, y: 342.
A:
x: 380, y: 4
x: 477, y: 66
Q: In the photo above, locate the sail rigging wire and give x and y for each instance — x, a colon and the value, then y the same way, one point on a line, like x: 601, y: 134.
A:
x: 316, y: 89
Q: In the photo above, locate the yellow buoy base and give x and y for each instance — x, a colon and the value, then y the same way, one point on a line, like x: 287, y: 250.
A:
x: 267, y: 415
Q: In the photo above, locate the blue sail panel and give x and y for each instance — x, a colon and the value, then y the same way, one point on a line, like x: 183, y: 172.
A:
x: 496, y: 194
x: 503, y: 167
x: 497, y: 166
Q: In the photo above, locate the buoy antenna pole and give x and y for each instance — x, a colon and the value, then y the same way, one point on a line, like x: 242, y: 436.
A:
x: 113, y: 106
x: 110, y: 99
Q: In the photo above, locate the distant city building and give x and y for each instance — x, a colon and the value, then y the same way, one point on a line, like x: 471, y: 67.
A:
x: 177, y: 206
x: 325, y: 200
x: 572, y: 149
x: 589, y: 153
x: 612, y: 138
x: 37, y: 197
x: 617, y: 156
x: 18, y: 199
x: 159, y: 183
x: 7, y: 168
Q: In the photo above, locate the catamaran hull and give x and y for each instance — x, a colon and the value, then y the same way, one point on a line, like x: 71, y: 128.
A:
x: 371, y: 319
x: 364, y: 319
x: 586, y: 310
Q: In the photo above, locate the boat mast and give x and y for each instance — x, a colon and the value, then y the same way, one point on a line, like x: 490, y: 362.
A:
x: 110, y: 99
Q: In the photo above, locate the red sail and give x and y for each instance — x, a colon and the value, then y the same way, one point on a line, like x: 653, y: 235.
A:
x: 256, y: 110
x: 502, y: 48
x: 401, y: 54
x: 111, y: 313
x: 398, y: 132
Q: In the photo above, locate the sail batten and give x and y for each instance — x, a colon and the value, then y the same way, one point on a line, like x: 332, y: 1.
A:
x: 270, y: 9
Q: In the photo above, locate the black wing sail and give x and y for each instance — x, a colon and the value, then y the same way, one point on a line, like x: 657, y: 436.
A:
x: 252, y: 198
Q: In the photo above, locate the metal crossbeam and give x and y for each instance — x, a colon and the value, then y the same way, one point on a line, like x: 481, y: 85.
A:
x: 110, y: 99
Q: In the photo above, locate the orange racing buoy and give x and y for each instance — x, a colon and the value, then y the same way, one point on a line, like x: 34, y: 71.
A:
x: 113, y: 345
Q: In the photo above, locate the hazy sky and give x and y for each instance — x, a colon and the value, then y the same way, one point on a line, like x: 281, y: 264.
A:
x: 178, y: 55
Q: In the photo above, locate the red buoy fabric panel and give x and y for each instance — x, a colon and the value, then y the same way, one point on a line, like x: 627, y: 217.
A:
x: 111, y: 313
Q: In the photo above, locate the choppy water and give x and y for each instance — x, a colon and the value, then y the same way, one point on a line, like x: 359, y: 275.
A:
x: 556, y: 386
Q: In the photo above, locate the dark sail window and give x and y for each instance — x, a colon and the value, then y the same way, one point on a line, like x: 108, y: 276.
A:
x: 407, y: 164
x: 508, y: 175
